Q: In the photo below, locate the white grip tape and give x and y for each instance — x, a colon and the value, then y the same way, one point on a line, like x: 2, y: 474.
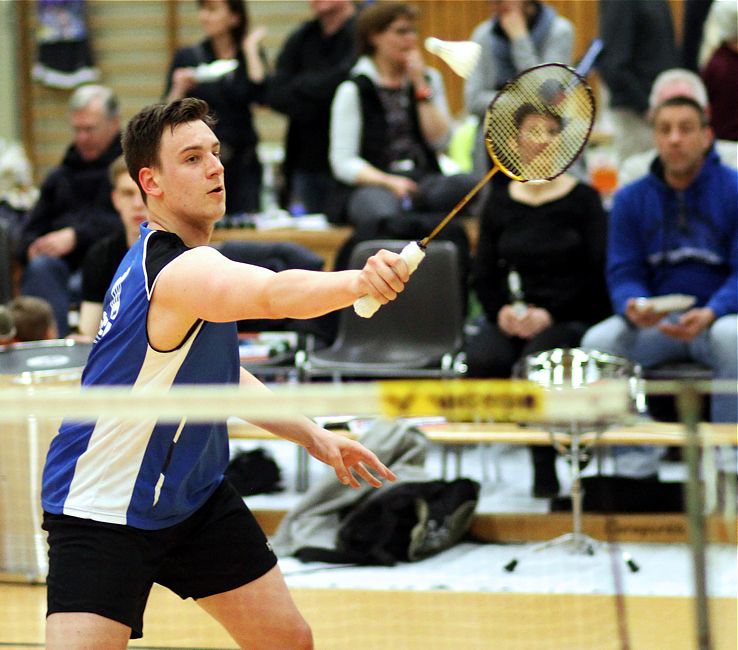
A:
x: 366, y: 306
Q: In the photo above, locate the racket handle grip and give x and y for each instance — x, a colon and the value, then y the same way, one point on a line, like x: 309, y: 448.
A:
x: 366, y: 306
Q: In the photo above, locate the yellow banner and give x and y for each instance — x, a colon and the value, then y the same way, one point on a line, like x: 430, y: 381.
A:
x: 463, y: 400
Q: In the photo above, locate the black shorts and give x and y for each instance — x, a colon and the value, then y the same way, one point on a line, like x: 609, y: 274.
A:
x: 108, y: 569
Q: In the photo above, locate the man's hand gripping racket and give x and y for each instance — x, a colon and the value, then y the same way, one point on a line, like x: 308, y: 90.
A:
x: 534, y: 129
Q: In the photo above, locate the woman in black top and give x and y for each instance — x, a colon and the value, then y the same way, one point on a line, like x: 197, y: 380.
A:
x: 226, y: 26
x: 539, y: 276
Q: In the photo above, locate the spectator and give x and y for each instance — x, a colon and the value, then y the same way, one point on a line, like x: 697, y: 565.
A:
x: 74, y: 208
x: 33, y: 319
x: 316, y: 57
x: 638, y: 38
x: 228, y: 36
x: 672, y: 83
x: 103, y: 258
x: 720, y: 73
x: 519, y: 35
x: 675, y: 231
x: 526, y: 230
x: 387, y: 124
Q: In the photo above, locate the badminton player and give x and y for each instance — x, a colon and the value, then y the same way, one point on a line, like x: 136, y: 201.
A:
x: 131, y: 502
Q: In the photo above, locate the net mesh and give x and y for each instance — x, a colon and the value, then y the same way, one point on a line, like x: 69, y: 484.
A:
x: 539, y: 122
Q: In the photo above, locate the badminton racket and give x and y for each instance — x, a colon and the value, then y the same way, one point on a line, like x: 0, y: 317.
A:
x: 534, y: 129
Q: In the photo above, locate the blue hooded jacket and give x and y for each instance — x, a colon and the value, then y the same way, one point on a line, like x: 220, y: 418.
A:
x: 663, y: 240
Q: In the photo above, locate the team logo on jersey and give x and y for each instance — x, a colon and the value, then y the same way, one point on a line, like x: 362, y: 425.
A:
x: 114, y: 306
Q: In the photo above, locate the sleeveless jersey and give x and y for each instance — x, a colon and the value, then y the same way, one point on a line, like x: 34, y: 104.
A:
x: 142, y: 473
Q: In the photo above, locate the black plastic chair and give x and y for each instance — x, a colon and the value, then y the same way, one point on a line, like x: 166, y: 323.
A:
x: 420, y: 334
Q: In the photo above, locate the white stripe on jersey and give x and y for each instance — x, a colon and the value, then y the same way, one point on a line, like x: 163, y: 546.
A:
x: 106, y: 472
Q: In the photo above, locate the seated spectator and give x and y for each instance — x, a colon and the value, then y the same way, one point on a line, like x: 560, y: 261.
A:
x: 74, y: 208
x: 676, y: 82
x: 33, y: 319
x: 526, y: 230
x: 388, y: 122
x: 103, y: 258
x: 720, y: 72
x: 675, y: 231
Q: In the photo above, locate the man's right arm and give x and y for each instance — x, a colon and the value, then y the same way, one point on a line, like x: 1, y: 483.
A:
x: 201, y: 284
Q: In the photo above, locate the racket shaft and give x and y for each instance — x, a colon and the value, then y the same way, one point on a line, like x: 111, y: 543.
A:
x: 461, y: 204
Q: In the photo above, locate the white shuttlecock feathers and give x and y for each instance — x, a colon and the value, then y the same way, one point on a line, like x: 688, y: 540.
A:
x: 461, y: 56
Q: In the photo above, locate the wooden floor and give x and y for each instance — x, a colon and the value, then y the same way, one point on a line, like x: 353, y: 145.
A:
x: 427, y: 620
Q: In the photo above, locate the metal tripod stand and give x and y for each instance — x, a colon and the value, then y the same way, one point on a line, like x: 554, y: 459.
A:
x: 578, y: 542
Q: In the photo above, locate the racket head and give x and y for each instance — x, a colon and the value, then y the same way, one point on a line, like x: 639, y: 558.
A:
x: 539, y: 122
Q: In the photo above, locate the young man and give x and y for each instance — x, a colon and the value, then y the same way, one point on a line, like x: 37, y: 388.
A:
x: 132, y: 502
x: 103, y: 258
x: 675, y: 231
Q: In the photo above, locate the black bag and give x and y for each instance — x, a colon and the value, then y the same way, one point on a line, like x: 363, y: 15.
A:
x: 405, y: 522
x: 254, y: 472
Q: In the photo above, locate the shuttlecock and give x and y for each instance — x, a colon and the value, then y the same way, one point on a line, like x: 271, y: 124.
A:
x: 461, y: 56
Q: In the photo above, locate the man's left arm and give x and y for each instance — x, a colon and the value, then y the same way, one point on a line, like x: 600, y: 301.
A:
x: 350, y: 459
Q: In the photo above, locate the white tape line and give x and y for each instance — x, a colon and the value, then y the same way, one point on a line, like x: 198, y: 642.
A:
x: 458, y: 400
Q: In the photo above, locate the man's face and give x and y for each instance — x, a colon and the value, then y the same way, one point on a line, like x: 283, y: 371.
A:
x: 129, y: 203
x: 93, y: 131
x: 681, y: 139
x: 190, y: 174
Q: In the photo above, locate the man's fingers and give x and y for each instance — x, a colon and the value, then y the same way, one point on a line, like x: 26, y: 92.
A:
x: 362, y: 471
x: 386, y: 274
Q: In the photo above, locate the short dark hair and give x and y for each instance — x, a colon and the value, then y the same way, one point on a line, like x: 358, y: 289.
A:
x: 377, y: 17
x: 142, y: 137
x: 527, y: 109
x: 682, y: 100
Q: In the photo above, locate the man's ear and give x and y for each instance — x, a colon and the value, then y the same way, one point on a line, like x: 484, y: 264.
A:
x: 149, y: 181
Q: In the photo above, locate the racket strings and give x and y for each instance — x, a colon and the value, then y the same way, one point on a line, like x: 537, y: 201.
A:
x: 539, y: 123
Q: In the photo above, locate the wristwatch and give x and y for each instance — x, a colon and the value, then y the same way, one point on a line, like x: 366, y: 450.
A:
x: 424, y: 94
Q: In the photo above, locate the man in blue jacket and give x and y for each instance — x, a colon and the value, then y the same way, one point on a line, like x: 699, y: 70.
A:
x: 675, y: 231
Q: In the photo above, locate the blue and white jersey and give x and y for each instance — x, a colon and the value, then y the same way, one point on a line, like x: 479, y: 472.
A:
x: 142, y: 473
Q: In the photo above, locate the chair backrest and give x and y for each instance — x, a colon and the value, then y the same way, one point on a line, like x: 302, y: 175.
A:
x: 422, y: 324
